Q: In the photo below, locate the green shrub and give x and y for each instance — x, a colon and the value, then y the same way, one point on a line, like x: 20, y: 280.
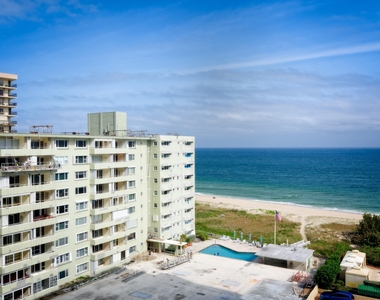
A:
x: 372, y: 255
x: 326, y: 275
x: 202, y: 235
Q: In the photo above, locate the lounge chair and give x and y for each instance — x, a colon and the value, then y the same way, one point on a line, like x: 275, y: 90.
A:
x: 243, y: 242
x: 237, y: 240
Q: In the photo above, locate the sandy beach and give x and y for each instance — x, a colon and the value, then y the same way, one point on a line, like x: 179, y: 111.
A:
x: 307, y: 216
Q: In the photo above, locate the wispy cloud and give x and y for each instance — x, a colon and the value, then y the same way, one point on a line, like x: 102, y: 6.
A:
x: 365, y: 48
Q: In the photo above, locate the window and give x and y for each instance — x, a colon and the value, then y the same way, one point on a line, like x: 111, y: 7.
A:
x: 131, y: 236
x: 155, y: 155
x: 80, y: 221
x: 14, y: 219
x: 63, y: 258
x: 96, y: 219
x: 132, y: 249
x: 155, y: 180
x: 80, y: 190
x: 115, y: 242
x: 82, y: 236
x: 131, y: 157
x: 61, y: 176
x: 81, y: 175
x: 131, y: 197
x: 99, y: 188
x: 97, y: 233
x: 165, y: 168
x: 97, y: 248
x: 81, y: 159
x: 62, y: 193
x: 62, y: 242
x: 165, y: 143
x: 155, y: 205
x: 61, y: 225
x: 62, y: 209
x: 82, y: 252
x: 36, y: 250
x: 132, y: 184
x: 99, y: 174
x: 155, y: 143
x: 80, y: 144
x: 61, y: 143
x: 10, y: 201
x: 61, y: 160
x: 63, y: 274
x: 11, y: 239
x: 131, y: 170
x: 82, y: 267
x: 131, y: 144
x: 37, y: 267
x: 131, y: 210
x: 81, y: 206
x: 12, y: 258
x: 97, y: 203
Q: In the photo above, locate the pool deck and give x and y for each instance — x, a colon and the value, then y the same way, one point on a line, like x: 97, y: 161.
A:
x: 204, y: 277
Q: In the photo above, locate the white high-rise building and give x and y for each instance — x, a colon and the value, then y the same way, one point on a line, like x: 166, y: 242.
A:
x: 78, y: 204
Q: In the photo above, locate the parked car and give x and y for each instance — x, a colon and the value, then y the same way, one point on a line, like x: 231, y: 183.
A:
x: 337, y: 295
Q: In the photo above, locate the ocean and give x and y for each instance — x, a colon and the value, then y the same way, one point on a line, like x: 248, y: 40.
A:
x: 336, y: 179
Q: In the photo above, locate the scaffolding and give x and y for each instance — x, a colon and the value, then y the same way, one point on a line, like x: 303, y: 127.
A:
x: 41, y: 129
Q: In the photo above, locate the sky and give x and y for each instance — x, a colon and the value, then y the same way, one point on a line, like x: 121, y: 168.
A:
x: 230, y: 73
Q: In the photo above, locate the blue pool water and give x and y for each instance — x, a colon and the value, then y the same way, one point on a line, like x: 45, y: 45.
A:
x: 226, y: 252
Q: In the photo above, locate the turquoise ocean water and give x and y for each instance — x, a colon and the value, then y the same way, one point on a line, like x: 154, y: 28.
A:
x: 336, y: 179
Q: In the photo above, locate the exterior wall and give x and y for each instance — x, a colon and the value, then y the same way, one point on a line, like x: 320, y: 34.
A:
x: 73, y: 205
x: 7, y: 102
x: 354, y: 280
x: 173, y: 187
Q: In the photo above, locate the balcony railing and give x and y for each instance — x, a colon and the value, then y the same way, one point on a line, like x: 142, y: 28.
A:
x: 16, y: 167
x: 14, y: 85
x: 13, y: 104
x: 40, y: 218
x: 12, y: 95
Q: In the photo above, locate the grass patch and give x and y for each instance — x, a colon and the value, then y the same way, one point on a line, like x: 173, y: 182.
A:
x: 325, y: 238
x: 224, y: 221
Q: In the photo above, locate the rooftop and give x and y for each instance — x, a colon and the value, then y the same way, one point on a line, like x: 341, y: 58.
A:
x: 297, y: 254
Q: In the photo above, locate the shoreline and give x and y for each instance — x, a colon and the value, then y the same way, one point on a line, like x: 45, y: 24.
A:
x: 234, y: 200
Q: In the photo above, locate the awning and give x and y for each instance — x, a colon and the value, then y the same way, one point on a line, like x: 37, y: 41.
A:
x: 170, y: 242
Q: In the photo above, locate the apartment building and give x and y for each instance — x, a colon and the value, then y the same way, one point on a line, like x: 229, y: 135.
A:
x: 7, y: 102
x: 80, y: 203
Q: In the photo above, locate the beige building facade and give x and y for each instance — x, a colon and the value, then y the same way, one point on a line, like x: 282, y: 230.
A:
x: 79, y: 204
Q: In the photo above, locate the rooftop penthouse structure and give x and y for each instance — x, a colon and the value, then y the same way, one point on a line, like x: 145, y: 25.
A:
x: 81, y: 203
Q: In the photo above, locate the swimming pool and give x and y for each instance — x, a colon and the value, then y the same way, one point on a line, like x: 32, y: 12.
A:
x: 226, y: 252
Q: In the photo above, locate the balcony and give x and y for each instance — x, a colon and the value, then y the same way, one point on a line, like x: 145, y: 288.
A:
x: 28, y: 167
x: 13, y: 113
x: 14, y: 95
x: 13, y: 104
